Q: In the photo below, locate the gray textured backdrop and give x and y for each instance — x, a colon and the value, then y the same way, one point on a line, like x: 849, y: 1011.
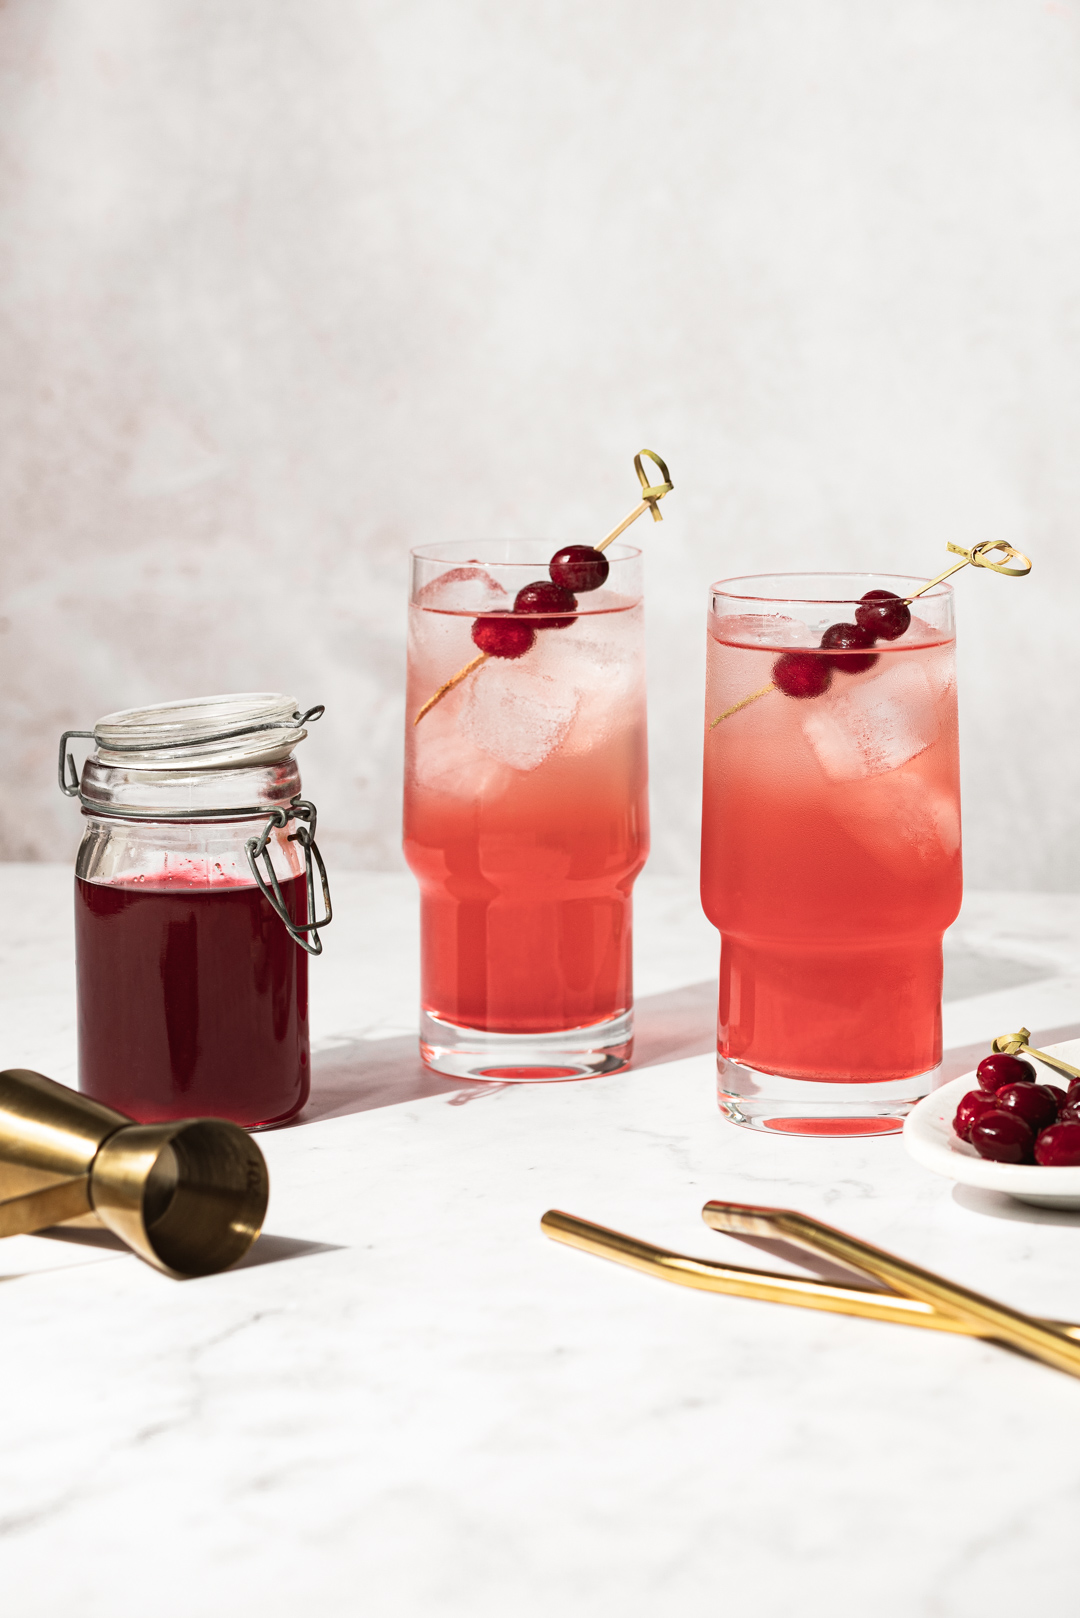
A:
x: 289, y: 285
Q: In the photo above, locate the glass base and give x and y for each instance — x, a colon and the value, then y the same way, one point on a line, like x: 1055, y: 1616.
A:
x: 569, y: 1053
x: 782, y: 1106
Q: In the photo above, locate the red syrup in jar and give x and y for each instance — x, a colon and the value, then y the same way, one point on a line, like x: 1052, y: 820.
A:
x: 193, y: 999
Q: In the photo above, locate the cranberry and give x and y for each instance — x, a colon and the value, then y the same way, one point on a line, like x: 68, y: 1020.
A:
x: 883, y: 614
x: 1031, y: 1102
x: 1074, y: 1092
x: 1060, y: 1098
x: 503, y: 636
x: 1059, y: 1146
x: 1069, y: 1113
x: 579, y: 567
x: 1003, y: 1137
x: 994, y: 1071
x: 802, y: 674
x: 970, y: 1110
x: 852, y: 640
x: 542, y: 596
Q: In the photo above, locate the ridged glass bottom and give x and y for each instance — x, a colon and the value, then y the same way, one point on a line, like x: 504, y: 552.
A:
x: 814, y: 1107
x: 571, y: 1053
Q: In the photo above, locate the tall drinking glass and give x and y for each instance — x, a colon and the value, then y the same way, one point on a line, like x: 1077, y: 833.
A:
x: 526, y: 814
x: 830, y: 854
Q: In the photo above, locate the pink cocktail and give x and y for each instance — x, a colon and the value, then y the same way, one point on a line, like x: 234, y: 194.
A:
x: 830, y: 851
x: 526, y: 816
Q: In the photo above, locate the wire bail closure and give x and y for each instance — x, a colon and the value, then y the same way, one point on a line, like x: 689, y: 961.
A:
x: 256, y: 848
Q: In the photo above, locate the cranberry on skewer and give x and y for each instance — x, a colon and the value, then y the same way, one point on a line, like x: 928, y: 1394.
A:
x: 503, y: 635
x: 802, y: 674
x: 544, y: 596
x: 572, y: 569
x: 579, y: 568
x: 853, y: 640
x: 883, y: 614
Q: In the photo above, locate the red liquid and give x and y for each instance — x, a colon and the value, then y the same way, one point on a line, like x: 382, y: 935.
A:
x: 830, y: 861
x: 526, y: 872
x: 192, y: 1001
x: 526, y: 901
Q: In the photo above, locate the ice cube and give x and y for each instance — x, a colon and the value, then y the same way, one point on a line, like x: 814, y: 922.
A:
x: 870, y: 724
x: 517, y: 713
x: 769, y: 629
x: 582, y: 656
x: 908, y: 815
x: 448, y: 763
x: 463, y: 589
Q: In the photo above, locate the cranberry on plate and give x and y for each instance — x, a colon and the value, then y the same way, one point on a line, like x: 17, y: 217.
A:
x: 1034, y: 1103
x: 1003, y: 1137
x: 971, y: 1109
x: 1059, y: 1146
x: 994, y: 1071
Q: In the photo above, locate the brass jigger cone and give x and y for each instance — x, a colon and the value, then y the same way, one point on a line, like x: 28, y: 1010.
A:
x: 189, y: 1197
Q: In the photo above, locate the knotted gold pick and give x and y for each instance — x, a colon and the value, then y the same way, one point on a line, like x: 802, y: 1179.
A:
x: 651, y: 495
x: 978, y: 556
x: 1013, y: 1044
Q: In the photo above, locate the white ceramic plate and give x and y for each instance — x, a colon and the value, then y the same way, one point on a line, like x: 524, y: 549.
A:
x: 928, y: 1136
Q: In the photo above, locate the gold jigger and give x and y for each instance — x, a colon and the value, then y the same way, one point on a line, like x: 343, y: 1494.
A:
x: 189, y: 1197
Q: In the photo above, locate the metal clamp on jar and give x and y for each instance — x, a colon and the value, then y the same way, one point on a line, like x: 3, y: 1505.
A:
x: 193, y: 921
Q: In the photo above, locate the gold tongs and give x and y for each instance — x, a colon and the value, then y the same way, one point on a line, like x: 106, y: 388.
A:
x: 915, y: 1297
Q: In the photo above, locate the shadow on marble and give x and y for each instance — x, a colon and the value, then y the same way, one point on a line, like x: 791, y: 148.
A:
x: 995, y: 1205
x: 80, y: 1237
x: 679, y: 1023
x: 818, y: 1265
x: 969, y: 972
x: 269, y: 1249
x: 360, y: 1075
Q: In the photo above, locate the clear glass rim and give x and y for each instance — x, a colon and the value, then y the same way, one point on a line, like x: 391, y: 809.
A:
x: 457, y: 551
x: 722, y: 587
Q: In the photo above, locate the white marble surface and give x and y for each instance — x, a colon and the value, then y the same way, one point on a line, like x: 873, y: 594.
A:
x: 408, y: 1402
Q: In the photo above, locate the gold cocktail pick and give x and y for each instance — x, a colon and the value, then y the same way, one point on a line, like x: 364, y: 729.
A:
x: 651, y: 495
x: 978, y: 556
x: 988, y: 1318
x: 765, y: 1286
x: 1014, y: 1044
x: 993, y: 1322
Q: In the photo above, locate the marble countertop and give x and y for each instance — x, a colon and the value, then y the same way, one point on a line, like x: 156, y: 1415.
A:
x: 407, y: 1401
